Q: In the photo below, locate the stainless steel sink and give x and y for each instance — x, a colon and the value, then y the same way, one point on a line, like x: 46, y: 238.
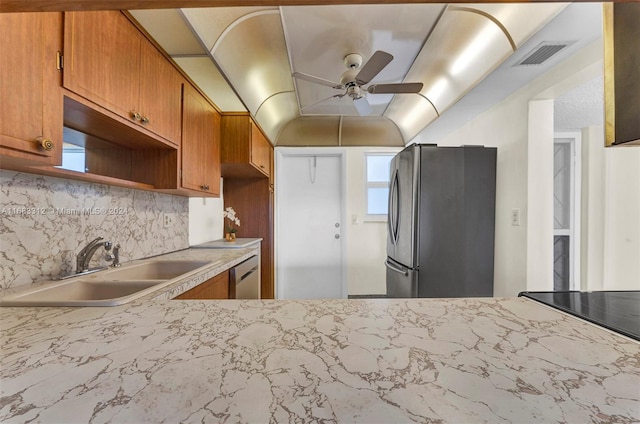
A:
x: 83, y: 293
x: 155, y: 270
x: 107, y: 288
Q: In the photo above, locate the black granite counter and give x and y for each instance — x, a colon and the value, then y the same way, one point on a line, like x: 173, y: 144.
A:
x: 618, y: 311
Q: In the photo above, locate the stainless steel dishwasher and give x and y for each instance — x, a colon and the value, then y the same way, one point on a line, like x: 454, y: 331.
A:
x: 245, y: 279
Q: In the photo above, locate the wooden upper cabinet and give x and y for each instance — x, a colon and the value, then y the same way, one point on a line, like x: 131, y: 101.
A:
x: 245, y: 152
x: 200, y: 144
x: 31, y: 98
x: 621, y: 33
x: 160, y: 91
x: 108, y: 61
x: 260, y: 150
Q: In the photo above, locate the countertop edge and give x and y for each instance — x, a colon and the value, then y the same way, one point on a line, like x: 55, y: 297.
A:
x: 191, y: 281
x: 582, y: 319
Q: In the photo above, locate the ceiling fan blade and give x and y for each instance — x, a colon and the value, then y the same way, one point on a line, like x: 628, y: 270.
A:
x: 337, y: 96
x: 374, y: 65
x: 407, y: 87
x: 362, y: 106
x: 317, y: 80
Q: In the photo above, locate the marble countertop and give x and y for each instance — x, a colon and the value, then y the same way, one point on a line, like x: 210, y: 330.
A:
x: 500, y: 360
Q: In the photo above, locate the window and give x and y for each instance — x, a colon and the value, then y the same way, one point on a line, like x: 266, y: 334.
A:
x: 377, y: 171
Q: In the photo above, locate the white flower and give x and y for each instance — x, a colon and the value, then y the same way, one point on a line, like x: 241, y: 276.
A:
x: 230, y: 214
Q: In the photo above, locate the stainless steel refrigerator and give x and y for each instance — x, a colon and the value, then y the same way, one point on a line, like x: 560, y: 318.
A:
x: 441, y: 225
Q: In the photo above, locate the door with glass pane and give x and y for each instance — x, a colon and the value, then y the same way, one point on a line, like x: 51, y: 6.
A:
x: 566, y: 213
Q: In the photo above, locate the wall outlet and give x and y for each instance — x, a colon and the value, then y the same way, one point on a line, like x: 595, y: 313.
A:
x: 167, y: 220
x: 515, y: 217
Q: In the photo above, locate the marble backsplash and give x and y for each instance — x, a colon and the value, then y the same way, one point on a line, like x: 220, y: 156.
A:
x: 45, y: 222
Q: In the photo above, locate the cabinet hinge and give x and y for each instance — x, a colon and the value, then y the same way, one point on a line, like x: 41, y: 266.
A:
x: 59, y: 61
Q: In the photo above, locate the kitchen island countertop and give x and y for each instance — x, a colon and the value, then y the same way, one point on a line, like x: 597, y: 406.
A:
x: 499, y: 360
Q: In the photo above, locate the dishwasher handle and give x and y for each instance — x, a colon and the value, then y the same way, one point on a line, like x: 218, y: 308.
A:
x: 246, y: 274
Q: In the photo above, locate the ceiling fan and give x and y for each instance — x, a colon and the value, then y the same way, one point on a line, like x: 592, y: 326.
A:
x: 357, y: 75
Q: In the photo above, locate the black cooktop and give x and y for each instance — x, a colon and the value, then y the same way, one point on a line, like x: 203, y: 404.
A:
x: 618, y: 311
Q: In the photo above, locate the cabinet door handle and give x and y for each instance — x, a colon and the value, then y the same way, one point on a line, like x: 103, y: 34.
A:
x: 204, y: 187
x: 45, y: 144
x: 144, y: 119
x: 135, y: 116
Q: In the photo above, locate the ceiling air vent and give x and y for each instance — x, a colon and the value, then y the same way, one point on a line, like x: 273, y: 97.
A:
x: 542, y: 53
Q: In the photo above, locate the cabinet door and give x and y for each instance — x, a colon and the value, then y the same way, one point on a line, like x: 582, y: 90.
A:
x: 31, y: 105
x: 260, y: 146
x: 215, y: 288
x: 200, y: 143
x: 212, y: 169
x: 102, y: 59
x: 160, y: 92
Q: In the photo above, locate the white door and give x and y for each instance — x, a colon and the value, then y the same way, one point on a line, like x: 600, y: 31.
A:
x: 309, y: 229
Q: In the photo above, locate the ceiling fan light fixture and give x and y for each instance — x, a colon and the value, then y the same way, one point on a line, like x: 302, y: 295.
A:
x: 352, y: 61
x: 357, y: 75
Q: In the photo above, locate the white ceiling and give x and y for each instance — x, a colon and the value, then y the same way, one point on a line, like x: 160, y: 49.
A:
x: 580, y: 107
x: 243, y: 59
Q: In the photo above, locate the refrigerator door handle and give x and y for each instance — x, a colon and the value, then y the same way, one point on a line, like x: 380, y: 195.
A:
x: 393, y: 209
x: 390, y: 210
x: 393, y: 267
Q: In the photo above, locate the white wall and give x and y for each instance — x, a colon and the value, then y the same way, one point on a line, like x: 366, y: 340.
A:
x: 611, y: 211
x: 367, y: 240
x: 622, y: 219
x: 539, y: 202
x: 507, y: 127
x: 592, y: 209
x: 205, y: 218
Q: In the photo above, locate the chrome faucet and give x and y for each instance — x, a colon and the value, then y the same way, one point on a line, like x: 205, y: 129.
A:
x: 114, y: 257
x: 85, y: 255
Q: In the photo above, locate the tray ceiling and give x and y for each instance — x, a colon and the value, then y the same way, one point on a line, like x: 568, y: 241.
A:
x: 244, y: 57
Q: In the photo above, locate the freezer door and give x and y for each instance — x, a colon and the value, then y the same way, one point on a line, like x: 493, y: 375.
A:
x: 402, y: 220
x: 457, y: 220
x: 401, y: 281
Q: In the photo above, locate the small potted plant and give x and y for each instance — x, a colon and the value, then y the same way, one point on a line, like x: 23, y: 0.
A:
x: 230, y: 232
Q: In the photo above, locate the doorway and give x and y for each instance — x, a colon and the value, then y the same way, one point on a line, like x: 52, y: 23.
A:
x: 309, y: 223
x: 566, y: 211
